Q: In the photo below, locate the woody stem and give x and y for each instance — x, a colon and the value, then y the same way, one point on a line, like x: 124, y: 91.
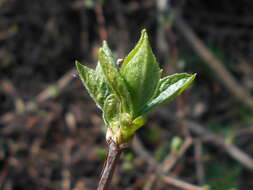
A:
x: 110, y: 164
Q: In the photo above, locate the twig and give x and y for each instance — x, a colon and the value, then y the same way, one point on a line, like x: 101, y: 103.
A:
x: 180, y: 184
x: 141, y: 151
x: 168, y: 163
x: 66, y: 174
x: 101, y: 21
x: 11, y: 91
x: 214, y: 63
x: 4, y: 173
x: 162, y: 44
x: 237, y: 154
x: 52, y: 90
x: 231, y: 149
x: 200, y: 172
x: 46, y: 93
x: 172, y: 158
x: 122, y: 26
x: 8, y: 33
x: 110, y: 164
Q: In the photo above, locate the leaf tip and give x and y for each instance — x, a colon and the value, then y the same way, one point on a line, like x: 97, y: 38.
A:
x: 100, y: 52
x: 104, y: 43
x: 78, y: 65
x: 144, y: 31
x: 194, y: 76
x: 77, y: 62
x: 144, y: 34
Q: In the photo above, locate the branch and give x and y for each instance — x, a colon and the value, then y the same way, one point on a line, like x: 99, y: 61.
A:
x: 101, y: 21
x: 142, y: 152
x: 52, y: 90
x: 172, y: 158
x: 215, y: 64
x: 110, y: 164
x: 179, y: 183
x: 220, y: 142
x: 198, y: 154
x: 45, y: 94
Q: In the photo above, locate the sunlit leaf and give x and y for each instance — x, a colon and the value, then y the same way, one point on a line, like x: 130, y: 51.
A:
x: 111, y: 109
x: 94, y: 83
x: 169, y: 88
x: 115, y: 80
x: 108, y: 51
x: 126, y: 94
x: 141, y: 72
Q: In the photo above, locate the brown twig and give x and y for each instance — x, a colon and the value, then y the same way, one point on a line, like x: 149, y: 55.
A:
x: 66, y: 174
x: 110, y: 164
x: 9, y: 89
x: 200, y: 171
x: 169, y: 162
x: 52, y: 90
x: 172, y: 158
x: 219, y: 141
x: 179, y: 183
x: 214, y: 63
x: 101, y: 21
x: 123, y: 36
x: 8, y: 33
x: 231, y: 149
x: 46, y: 93
x: 141, y: 151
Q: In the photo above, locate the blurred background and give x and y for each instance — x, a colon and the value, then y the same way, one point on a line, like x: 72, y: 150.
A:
x: 52, y: 134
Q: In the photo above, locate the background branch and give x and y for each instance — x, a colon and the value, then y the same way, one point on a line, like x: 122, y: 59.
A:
x: 214, y: 63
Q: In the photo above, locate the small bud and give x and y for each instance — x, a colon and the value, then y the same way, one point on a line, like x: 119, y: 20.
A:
x: 176, y: 144
x: 206, y: 187
x: 119, y: 62
x: 126, y: 94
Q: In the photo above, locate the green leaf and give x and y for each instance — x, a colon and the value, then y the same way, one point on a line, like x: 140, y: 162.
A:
x: 128, y: 127
x: 115, y: 80
x: 169, y: 88
x: 94, y: 82
x: 108, y: 52
x: 138, y: 122
x: 133, y: 52
x: 165, y: 82
x: 141, y: 72
x: 125, y: 95
x: 111, y: 110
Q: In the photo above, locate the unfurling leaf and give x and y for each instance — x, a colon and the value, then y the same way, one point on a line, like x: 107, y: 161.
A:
x: 94, y: 83
x: 126, y: 94
x: 108, y: 52
x: 169, y: 88
x: 176, y: 144
x: 111, y: 110
x: 165, y: 82
x: 115, y: 80
x: 141, y: 72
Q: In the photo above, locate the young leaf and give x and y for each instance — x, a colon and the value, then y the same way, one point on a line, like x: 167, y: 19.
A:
x: 133, y: 52
x: 169, y: 80
x: 115, y: 80
x: 138, y: 122
x: 128, y: 129
x: 141, y: 72
x: 169, y: 88
x: 94, y: 83
x: 108, y: 51
x: 111, y: 110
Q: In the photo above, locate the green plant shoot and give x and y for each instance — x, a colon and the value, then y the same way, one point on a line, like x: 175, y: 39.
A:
x: 126, y: 94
